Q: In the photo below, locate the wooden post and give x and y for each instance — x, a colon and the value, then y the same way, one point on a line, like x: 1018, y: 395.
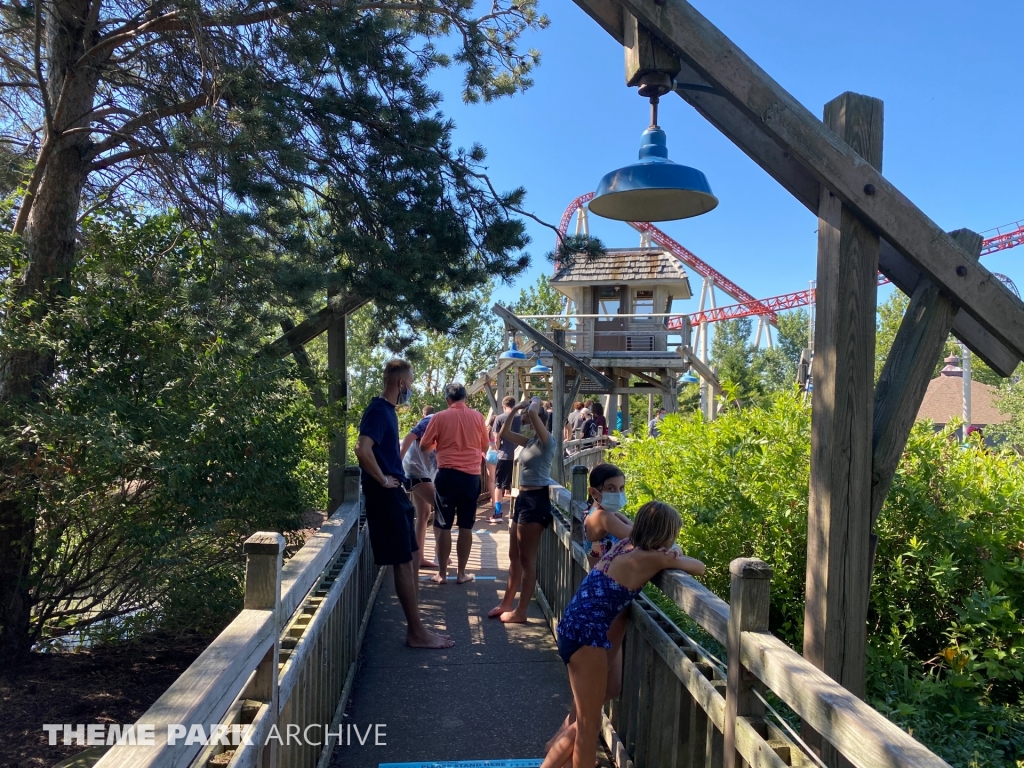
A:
x: 263, y: 556
x: 749, y: 597
x: 306, y: 372
x: 337, y: 397
x: 838, y: 523
x: 624, y: 382
x: 558, y: 408
x: 579, y: 501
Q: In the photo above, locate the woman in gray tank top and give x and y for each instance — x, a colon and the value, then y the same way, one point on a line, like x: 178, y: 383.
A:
x: 532, y: 509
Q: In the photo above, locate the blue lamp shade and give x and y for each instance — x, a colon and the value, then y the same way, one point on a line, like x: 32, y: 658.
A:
x: 512, y: 353
x: 689, y: 378
x: 653, y: 188
x: 540, y: 368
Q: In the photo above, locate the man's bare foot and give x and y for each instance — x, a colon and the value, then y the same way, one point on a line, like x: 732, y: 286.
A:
x: 429, y: 640
x: 512, y: 617
x: 438, y: 578
x: 428, y: 564
x: 462, y: 578
x: 496, y: 612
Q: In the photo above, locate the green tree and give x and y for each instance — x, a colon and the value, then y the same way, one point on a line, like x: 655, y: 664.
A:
x: 165, y: 441
x: 300, y: 136
x: 539, y: 299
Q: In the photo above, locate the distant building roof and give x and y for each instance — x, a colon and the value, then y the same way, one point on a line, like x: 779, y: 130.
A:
x: 945, y: 398
x: 625, y: 265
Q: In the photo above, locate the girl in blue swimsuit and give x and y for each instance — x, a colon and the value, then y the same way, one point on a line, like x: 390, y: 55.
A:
x: 583, y: 641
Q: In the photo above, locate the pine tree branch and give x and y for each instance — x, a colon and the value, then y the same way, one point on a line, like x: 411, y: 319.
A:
x: 128, y: 129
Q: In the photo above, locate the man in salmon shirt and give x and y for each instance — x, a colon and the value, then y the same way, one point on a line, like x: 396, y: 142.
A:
x: 459, y: 437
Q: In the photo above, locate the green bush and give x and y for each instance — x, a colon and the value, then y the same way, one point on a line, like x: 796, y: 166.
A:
x: 165, y: 440
x: 946, y: 645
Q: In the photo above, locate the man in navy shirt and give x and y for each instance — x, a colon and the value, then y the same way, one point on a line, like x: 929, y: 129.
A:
x: 389, y: 513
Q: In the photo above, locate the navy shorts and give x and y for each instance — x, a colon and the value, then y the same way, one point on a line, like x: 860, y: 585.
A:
x: 455, y: 497
x: 533, y: 506
x: 391, y: 521
x: 503, y: 474
x: 567, y: 646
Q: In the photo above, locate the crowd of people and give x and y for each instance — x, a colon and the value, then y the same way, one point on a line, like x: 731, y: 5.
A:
x: 439, y: 469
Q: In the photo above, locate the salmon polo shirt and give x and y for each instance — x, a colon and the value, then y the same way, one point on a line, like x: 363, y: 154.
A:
x: 459, y: 435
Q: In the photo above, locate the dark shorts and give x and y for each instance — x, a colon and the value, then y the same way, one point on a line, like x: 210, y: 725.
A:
x: 567, y: 647
x: 455, y: 497
x: 412, y: 482
x: 533, y: 506
x: 503, y: 474
x: 390, y: 519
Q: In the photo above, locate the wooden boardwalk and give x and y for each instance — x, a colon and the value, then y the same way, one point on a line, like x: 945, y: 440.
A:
x: 499, y: 693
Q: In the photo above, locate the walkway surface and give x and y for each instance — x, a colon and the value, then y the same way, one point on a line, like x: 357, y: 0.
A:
x: 498, y: 694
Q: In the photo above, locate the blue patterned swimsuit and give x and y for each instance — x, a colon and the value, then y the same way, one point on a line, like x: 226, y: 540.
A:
x: 594, y: 607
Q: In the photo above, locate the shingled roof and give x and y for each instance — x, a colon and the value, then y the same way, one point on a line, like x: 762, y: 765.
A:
x: 625, y: 265
x: 945, y: 399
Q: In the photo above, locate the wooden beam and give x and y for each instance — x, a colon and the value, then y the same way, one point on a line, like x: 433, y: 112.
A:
x: 838, y: 521
x: 337, y: 397
x: 558, y: 411
x: 306, y: 372
x: 557, y: 350
x: 698, y: 365
x: 496, y: 372
x: 905, y: 376
x: 753, y: 133
x: 835, y: 164
x: 492, y: 398
x: 337, y: 306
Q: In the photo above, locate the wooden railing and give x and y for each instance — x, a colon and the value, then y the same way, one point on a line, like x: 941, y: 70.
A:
x: 587, y: 453
x: 286, y: 662
x: 681, y: 707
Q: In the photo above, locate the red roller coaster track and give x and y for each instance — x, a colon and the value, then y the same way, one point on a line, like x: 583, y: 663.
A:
x: 1008, y: 236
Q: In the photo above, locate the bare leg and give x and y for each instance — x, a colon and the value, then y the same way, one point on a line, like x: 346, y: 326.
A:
x: 588, y: 674
x: 616, y: 634
x: 528, y: 535
x: 515, y: 574
x: 406, y: 587
x: 463, y: 547
x: 443, y: 548
x: 423, y: 500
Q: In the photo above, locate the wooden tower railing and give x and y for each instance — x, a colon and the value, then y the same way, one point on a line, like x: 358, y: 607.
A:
x: 681, y: 707
x: 286, y: 661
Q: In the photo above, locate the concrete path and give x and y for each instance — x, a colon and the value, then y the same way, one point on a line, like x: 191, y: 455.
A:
x: 499, y: 693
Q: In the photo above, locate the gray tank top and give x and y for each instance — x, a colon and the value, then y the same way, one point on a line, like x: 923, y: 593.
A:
x: 535, y: 462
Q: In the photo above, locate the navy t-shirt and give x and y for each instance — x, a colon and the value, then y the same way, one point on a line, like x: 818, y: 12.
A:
x: 380, y: 424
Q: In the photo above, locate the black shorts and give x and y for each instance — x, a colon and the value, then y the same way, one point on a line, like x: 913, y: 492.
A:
x: 503, y: 474
x: 533, y: 506
x: 412, y: 482
x: 390, y: 519
x: 455, y: 497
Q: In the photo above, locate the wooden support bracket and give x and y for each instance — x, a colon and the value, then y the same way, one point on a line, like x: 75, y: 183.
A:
x: 788, y: 142
x: 337, y: 306
x: 904, y: 381
x: 557, y: 350
x: 306, y: 371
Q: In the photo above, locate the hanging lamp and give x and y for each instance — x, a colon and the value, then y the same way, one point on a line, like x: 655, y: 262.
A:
x: 654, y: 188
x: 540, y: 368
x: 512, y: 353
x: 689, y: 378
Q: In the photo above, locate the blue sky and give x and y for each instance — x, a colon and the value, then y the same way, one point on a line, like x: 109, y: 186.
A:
x: 951, y: 76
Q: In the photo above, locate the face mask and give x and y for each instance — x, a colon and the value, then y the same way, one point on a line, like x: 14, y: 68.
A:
x: 404, y: 396
x: 613, y: 501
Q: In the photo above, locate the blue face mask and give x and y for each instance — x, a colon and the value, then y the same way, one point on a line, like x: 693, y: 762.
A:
x: 613, y: 501
x: 404, y: 396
